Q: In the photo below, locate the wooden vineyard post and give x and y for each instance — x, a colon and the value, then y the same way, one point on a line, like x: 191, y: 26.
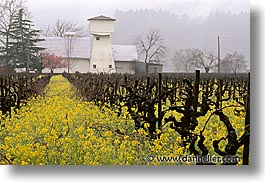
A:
x: 116, y: 87
x: 147, y: 85
x: 166, y: 86
x: 135, y: 85
x: 219, y: 102
x: 196, y: 90
x: 125, y: 84
x: 207, y: 86
x: 247, y: 124
x: 1, y: 87
x: 178, y: 84
x: 159, y: 87
x: 175, y: 86
x: 234, y: 89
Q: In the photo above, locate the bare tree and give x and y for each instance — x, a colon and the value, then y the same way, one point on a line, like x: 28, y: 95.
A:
x: 183, y: 60
x: 46, y: 30
x: 234, y: 63
x: 8, y: 11
x: 152, y: 47
x: 206, y: 61
x: 60, y: 27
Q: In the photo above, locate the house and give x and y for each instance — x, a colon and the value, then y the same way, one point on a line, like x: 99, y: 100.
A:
x: 96, y: 54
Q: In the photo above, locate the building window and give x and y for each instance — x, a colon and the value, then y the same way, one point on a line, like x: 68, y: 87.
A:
x: 94, y: 66
x: 110, y: 66
x: 97, y: 38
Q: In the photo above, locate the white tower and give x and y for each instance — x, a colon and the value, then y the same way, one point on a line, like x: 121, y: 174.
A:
x: 101, y: 59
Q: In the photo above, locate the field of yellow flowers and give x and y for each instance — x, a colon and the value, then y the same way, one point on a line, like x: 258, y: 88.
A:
x: 58, y: 128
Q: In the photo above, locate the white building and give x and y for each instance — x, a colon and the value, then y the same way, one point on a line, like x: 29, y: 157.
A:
x: 101, y: 59
x: 96, y: 54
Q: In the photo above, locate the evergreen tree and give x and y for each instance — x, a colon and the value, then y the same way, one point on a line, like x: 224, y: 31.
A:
x: 8, y: 9
x: 24, y: 50
x: 5, y: 54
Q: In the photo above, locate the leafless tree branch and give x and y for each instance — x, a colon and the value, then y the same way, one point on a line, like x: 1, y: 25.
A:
x: 207, y: 61
x: 151, y: 47
x: 234, y: 62
x: 59, y: 28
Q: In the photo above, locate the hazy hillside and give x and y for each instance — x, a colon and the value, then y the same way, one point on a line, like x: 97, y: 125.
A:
x: 182, y: 32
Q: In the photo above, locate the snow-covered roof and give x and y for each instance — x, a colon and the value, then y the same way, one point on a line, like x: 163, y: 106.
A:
x: 58, y: 46
x: 124, y: 52
x: 81, y: 49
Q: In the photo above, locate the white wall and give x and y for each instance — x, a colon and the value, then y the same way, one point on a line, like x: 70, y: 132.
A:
x: 76, y: 65
x: 101, y: 55
x: 79, y: 65
x: 125, y: 67
x: 101, y: 27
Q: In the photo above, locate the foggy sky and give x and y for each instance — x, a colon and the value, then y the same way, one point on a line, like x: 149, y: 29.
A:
x: 48, y: 11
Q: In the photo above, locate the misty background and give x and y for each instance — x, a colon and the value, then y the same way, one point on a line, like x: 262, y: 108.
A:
x: 182, y: 24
